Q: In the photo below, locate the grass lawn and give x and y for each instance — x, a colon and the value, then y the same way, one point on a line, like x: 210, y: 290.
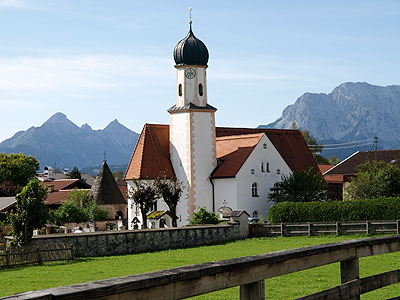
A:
x: 290, y: 286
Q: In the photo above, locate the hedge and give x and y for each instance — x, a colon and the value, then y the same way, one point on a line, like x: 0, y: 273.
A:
x: 350, y: 210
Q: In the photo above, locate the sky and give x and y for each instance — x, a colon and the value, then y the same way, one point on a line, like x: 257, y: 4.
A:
x: 100, y: 60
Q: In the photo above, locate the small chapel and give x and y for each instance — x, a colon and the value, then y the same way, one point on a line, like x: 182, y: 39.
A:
x: 218, y: 167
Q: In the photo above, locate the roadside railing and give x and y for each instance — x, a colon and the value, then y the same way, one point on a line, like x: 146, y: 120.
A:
x: 35, y: 255
x: 323, y: 228
x: 247, y: 272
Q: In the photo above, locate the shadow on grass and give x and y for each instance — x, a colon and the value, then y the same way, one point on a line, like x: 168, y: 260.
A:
x: 78, y: 260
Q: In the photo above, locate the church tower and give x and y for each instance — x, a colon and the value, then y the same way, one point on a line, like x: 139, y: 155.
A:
x: 192, y: 128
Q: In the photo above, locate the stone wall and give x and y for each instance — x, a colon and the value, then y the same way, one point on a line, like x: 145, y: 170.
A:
x: 136, y: 241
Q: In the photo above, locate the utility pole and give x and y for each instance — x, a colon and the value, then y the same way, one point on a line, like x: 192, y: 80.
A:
x: 376, y: 147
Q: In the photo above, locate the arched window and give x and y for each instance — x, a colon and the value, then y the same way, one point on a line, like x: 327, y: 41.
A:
x: 180, y: 90
x: 200, y: 89
x: 254, y: 190
x: 255, y: 214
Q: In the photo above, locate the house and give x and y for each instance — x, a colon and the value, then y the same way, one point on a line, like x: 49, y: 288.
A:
x: 217, y: 166
x: 334, y: 182
x: 107, y: 194
x: 58, y: 190
x: 342, y: 173
x: 6, y: 205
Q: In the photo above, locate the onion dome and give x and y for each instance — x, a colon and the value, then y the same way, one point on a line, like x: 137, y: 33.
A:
x: 191, y: 51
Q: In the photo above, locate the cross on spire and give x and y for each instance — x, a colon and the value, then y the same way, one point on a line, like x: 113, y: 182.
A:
x: 190, y: 15
x: 224, y: 203
x: 105, y: 156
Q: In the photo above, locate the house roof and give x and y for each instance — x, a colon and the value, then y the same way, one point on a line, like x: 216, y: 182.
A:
x: 158, y: 214
x: 66, y: 184
x: 105, y: 188
x: 238, y: 213
x: 323, y: 168
x: 233, y: 151
x: 6, y: 203
x: 348, y: 166
x: 59, y: 197
x: 151, y: 158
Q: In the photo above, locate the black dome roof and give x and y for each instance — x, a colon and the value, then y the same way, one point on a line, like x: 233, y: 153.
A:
x: 191, y: 51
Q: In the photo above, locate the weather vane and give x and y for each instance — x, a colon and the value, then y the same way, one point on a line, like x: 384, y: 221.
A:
x: 190, y: 15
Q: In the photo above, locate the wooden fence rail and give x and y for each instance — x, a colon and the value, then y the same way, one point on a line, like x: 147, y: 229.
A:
x: 35, y: 255
x: 247, y: 272
x: 322, y: 228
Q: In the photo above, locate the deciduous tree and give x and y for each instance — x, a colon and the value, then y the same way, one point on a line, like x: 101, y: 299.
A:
x: 170, y: 190
x: 30, y: 212
x: 144, y: 196
x: 300, y: 186
x: 204, y: 217
x: 16, y: 170
x: 374, y: 179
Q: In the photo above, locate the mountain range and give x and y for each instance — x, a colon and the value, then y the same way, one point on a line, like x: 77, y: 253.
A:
x: 62, y: 144
x: 352, y: 112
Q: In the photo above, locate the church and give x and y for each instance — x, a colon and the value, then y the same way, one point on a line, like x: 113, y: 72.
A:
x: 217, y: 167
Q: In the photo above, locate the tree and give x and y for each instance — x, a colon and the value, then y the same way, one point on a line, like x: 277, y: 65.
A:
x: 204, y: 217
x: 374, y: 179
x: 16, y: 170
x: 312, y: 144
x: 144, y: 197
x: 30, y: 212
x: 170, y: 190
x: 300, y: 186
x: 75, y: 173
x: 333, y: 160
x: 79, y: 208
x: 118, y: 175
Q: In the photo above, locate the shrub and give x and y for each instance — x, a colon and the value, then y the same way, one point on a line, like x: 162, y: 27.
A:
x: 354, y: 210
x: 204, y: 217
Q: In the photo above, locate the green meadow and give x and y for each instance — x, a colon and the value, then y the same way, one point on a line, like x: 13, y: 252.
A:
x: 22, y: 279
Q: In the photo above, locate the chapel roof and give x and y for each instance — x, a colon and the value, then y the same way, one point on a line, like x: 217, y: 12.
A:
x: 348, y: 166
x: 151, y: 158
x: 105, y: 189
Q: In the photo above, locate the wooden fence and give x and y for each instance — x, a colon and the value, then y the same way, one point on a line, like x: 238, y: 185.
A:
x: 247, y: 272
x: 321, y: 228
x: 35, y: 255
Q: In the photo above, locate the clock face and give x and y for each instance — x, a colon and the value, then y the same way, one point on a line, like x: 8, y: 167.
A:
x: 190, y: 73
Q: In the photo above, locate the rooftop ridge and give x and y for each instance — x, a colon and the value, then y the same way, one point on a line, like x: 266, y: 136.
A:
x: 241, y: 136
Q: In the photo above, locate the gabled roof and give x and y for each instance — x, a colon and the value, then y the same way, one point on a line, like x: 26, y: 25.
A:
x: 7, y: 203
x: 66, y: 184
x: 348, y: 166
x: 59, y: 197
x: 233, y: 151
x: 151, y: 156
x: 158, y: 214
x: 289, y: 143
x: 105, y: 189
x: 323, y: 168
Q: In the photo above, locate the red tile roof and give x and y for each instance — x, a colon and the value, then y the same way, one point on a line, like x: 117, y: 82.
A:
x: 348, y: 166
x: 289, y: 143
x: 151, y: 156
x: 59, y: 197
x: 233, y: 151
x: 62, y: 184
x: 324, y: 168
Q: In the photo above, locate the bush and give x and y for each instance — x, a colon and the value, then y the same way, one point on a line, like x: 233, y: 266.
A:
x: 204, y: 217
x: 355, y: 210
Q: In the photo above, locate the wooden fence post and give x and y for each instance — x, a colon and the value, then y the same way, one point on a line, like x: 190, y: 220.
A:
x: 367, y: 227
x: 309, y: 229
x: 349, y: 270
x: 282, y: 229
x: 337, y: 228
x: 7, y: 258
x: 253, y: 291
x: 39, y: 255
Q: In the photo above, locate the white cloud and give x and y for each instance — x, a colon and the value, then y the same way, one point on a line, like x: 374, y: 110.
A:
x: 14, y: 3
x: 78, y: 72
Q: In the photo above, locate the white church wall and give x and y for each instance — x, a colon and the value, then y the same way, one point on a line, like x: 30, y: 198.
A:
x: 225, y: 193
x: 203, y: 158
x: 180, y: 159
x: 180, y: 79
x: 265, y: 180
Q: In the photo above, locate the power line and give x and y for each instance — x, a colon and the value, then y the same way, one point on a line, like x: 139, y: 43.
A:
x: 340, y: 144
x: 345, y: 147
